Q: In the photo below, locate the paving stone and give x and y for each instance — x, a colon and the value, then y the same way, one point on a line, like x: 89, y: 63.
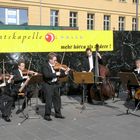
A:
x: 99, y: 122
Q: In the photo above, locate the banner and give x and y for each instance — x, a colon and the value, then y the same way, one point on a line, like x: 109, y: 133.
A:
x: 54, y: 40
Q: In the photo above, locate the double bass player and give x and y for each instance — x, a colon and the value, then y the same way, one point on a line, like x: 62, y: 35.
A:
x: 88, y: 65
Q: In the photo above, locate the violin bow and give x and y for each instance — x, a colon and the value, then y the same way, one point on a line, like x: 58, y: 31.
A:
x: 29, y: 65
x: 62, y: 59
x: 4, y: 80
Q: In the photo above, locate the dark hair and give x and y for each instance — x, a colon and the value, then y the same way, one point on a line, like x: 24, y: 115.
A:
x: 51, y: 55
x: 97, y: 47
x: 137, y: 59
x: 88, y: 49
x: 21, y: 61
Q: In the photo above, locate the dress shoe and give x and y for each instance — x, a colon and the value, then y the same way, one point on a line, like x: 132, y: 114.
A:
x: 59, y: 116
x: 6, y: 118
x: 48, y: 118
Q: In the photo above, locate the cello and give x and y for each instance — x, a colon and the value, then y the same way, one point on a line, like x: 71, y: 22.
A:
x: 102, y: 89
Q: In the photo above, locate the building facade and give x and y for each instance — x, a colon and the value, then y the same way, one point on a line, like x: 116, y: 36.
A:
x: 83, y: 14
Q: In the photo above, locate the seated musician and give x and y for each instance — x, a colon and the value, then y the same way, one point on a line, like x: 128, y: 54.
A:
x: 6, y: 101
x: 88, y: 65
x: 19, y: 80
x: 137, y: 72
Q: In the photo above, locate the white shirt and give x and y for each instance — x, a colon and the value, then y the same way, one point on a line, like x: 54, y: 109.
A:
x: 20, y: 73
x: 138, y: 70
x: 90, y: 59
x: 22, y: 76
x: 53, y: 71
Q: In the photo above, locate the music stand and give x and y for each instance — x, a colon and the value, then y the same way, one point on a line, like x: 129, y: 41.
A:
x: 131, y: 79
x: 83, y: 78
x: 35, y: 79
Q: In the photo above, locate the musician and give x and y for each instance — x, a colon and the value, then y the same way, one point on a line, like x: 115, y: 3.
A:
x: 88, y: 65
x: 137, y: 69
x: 6, y: 101
x: 51, y: 87
x: 137, y: 72
x: 19, y: 81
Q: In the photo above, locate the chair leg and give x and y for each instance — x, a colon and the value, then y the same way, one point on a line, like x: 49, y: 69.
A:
x: 18, y: 103
x: 18, y: 99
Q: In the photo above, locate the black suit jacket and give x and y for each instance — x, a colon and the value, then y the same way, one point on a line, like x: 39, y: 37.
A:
x: 85, y: 63
x: 137, y: 74
x: 18, y: 79
x: 47, y: 73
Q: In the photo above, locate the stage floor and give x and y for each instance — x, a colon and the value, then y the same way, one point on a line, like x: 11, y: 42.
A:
x: 98, y: 122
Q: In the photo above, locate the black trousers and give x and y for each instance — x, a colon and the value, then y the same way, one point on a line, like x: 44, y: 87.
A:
x: 28, y: 93
x: 6, y: 103
x: 87, y: 88
x: 130, y: 87
x: 52, y: 96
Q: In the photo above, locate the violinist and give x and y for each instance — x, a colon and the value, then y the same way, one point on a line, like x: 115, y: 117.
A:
x: 20, y: 77
x: 6, y: 101
x: 136, y: 70
x: 51, y: 86
x: 88, y: 65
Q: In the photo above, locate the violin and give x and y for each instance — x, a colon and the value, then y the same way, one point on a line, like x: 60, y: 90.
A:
x: 137, y: 94
x: 6, y: 78
x: 59, y: 66
x: 29, y: 72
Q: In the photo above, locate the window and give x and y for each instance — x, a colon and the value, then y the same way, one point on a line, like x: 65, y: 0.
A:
x: 13, y: 16
x: 106, y: 22
x: 122, y: 0
x: 73, y: 19
x: 2, y: 16
x: 54, y: 18
x: 134, y: 1
x: 121, y: 23
x: 90, y: 21
x: 133, y: 24
x: 23, y: 18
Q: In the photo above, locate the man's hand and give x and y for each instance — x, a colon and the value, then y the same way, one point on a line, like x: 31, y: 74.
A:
x: 26, y: 77
x: 67, y: 71
x: 3, y: 84
x: 58, y: 73
x: 98, y: 54
x: 11, y: 77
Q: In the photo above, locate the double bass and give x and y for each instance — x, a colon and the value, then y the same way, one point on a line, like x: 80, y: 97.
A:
x: 102, y: 89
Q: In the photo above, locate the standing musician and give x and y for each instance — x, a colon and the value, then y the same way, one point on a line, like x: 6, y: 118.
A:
x: 6, y: 101
x: 20, y: 77
x: 136, y: 88
x: 51, y: 86
x: 89, y: 66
